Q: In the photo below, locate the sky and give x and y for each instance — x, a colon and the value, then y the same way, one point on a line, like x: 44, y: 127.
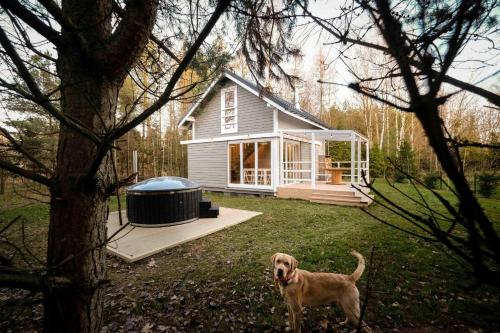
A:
x: 311, y: 47
x: 468, y: 72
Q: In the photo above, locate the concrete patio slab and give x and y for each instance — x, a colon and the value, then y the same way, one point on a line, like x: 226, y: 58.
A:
x: 136, y: 243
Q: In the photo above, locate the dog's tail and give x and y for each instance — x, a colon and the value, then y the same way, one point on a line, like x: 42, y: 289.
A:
x: 361, y: 266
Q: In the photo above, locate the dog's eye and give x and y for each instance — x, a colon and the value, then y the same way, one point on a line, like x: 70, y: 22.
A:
x: 287, y: 264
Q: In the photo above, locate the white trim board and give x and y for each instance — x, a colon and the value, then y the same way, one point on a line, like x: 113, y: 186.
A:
x: 322, y: 133
x: 232, y: 138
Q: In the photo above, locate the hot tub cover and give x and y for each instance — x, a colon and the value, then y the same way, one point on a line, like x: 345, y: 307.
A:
x: 161, y: 184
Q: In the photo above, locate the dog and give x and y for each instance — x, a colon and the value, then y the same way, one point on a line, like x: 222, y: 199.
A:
x: 300, y: 287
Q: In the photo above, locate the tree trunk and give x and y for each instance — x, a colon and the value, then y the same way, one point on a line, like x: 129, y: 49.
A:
x: 78, y: 209
x: 78, y: 212
x: 78, y: 205
x: 382, y: 131
x: 477, y: 221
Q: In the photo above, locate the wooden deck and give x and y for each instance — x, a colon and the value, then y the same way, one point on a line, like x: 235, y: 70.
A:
x: 344, y: 195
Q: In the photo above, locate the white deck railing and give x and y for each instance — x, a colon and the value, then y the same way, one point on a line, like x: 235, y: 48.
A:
x: 300, y: 171
x: 296, y: 172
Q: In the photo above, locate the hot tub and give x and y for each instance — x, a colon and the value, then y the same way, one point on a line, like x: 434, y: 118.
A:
x: 163, y: 201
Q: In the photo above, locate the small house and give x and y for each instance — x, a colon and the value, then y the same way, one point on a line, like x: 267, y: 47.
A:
x: 248, y: 140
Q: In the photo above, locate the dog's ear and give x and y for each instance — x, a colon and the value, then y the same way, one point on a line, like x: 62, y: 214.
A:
x: 273, y: 257
x: 295, y: 263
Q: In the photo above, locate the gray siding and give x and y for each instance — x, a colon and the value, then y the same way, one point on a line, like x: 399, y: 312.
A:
x: 288, y: 122
x: 207, y: 163
x: 253, y: 115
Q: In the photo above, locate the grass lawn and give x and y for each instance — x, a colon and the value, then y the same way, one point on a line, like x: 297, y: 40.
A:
x: 223, y: 282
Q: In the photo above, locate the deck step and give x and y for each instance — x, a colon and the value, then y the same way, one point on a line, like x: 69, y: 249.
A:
x: 340, y: 203
x: 335, y: 198
x: 367, y: 198
x: 205, y: 204
x: 212, y: 212
x: 348, y: 194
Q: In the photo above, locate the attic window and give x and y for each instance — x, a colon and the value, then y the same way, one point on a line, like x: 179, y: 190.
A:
x: 229, y: 110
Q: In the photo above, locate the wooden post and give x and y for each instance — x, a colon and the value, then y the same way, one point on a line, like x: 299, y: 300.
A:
x: 275, y: 165
x: 359, y: 160
x: 352, y: 158
x: 313, y: 160
x: 242, y: 176
x: 256, y: 166
x: 280, y: 164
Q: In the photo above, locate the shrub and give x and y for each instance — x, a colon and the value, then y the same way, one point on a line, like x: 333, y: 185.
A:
x: 377, y: 162
x: 487, y: 183
x: 399, y: 177
x: 405, y: 162
x: 431, y: 180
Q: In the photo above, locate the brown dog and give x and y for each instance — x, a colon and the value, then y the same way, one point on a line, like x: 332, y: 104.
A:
x: 300, y: 287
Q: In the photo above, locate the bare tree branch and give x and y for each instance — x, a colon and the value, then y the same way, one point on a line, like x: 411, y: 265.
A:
x: 26, y: 173
x: 32, y: 20
x: 23, y: 151
x: 40, y: 98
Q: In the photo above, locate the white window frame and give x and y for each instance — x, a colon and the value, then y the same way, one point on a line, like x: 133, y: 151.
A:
x: 241, y: 184
x: 223, y: 111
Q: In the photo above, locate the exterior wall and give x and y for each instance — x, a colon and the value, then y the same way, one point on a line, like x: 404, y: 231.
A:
x: 207, y: 163
x: 288, y: 122
x: 254, y: 116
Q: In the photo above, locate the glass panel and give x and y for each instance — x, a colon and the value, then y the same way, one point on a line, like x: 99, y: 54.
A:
x: 229, y: 112
x: 229, y: 99
x: 229, y: 120
x: 249, y: 163
x: 234, y: 155
x: 264, y: 164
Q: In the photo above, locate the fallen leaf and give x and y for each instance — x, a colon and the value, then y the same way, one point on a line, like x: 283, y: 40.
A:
x: 147, y: 328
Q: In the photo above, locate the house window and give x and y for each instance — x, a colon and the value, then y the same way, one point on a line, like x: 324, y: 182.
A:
x: 250, y: 164
x: 229, y: 110
x: 234, y: 162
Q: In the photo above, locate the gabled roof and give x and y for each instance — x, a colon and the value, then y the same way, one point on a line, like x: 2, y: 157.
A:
x: 278, y: 102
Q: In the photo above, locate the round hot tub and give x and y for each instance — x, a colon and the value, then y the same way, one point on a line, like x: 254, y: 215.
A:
x: 163, y: 201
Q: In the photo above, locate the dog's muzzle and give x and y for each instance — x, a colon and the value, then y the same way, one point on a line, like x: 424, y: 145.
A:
x: 282, y: 279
